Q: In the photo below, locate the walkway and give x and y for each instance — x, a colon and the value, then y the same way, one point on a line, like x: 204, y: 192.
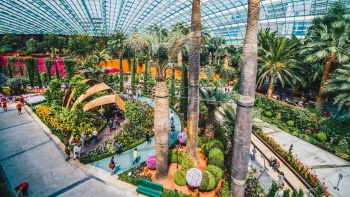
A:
x: 29, y: 152
x: 124, y: 161
x: 326, y: 165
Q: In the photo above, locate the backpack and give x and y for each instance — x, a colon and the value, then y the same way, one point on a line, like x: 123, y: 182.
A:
x: 111, y: 165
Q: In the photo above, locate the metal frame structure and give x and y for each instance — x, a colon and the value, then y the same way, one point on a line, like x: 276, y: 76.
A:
x: 224, y: 18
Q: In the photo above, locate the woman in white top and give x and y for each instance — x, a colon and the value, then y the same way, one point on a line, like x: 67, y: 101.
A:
x: 95, y: 134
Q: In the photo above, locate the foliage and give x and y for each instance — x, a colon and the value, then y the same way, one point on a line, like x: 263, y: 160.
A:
x: 11, y: 66
x: 216, y: 171
x: 342, y: 149
x: 268, y: 114
x: 184, y: 92
x: 225, y: 189
x: 180, y: 177
x: 80, y: 44
x: 215, y: 144
x: 31, y: 69
x: 121, y: 78
x: 286, y: 193
x: 77, y: 84
x: 216, y: 158
x: 48, y: 65
x: 146, y: 79
x: 11, y: 40
x: 301, y: 193
x: 205, y: 181
x: 290, y: 123
x: 321, y: 136
x: 172, y: 86
x: 69, y: 67
x: 54, y: 94
x: 138, y: 113
x: 16, y: 84
x: 31, y: 46
x: 273, y: 190
x: 133, y: 75
x: 53, y: 43
x: 229, y: 116
x: 211, y: 181
x: 295, y: 193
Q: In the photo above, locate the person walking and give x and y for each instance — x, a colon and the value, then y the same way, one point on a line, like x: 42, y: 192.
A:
x: 139, y: 93
x: 117, y: 148
x: 148, y: 140
x: 9, y: 98
x: 67, y: 151
x: 110, y: 124
x: 136, y: 154
x: 19, y: 108
x: 95, y: 134
x: 22, y: 189
x: 4, y: 104
x: 254, y: 151
x: 172, y: 130
x: 21, y: 100
x: 83, y: 140
x: 116, y: 121
x: 112, y: 165
x: 76, y: 151
x: 281, y: 179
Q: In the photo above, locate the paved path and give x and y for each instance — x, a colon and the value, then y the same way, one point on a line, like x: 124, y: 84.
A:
x: 29, y: 152
x: 124, y: 161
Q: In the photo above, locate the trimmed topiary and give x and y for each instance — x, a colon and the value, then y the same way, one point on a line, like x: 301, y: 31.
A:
x: 216, y: 144
x: 290, y: 123
x: 211, y: 181
x: 180, y: 177
x: 204, y: 150
x: 321, y: 136
x: 216, y: 158
x: 216, y: 171
x: 205, y: 181
x: 268, y: 114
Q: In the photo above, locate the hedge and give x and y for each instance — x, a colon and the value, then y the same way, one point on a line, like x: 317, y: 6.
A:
x: 216, y: 144
x: 216, y: 171
x: 211, y: 181
x: 180, y: 177
x: 205, y: 181
x: 216, y: 158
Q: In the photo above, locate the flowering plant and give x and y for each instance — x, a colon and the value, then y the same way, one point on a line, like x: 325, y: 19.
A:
x: 194, y: 177
x: 152, y: 162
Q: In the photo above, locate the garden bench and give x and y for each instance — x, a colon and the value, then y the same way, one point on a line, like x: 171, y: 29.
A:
x: 149, y: 188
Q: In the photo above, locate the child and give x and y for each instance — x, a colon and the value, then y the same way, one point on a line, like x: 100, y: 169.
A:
x: 22, y: 189
x: 19, y: 108
x: 136, y: 154
x: 148, y: 138
x: 4, y: 105
x: 67, y: 151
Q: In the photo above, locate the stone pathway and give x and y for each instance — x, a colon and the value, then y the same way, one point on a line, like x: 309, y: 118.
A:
x: 29, y: 152
x: 124, y: 161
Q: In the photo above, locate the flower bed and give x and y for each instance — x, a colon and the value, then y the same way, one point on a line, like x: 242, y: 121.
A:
x: 295, y: 163
x: 33, y: 99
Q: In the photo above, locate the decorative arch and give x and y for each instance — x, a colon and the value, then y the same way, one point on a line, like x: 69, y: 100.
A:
x: 104, y: 100
x: 95, y: 86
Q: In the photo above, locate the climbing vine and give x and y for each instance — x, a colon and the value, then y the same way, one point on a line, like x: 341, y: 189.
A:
x: 48, y: 65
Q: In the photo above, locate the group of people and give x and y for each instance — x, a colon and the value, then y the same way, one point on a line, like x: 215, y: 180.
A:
x: 136, y: 94
x: 7, y: 100
x: 76, y: 151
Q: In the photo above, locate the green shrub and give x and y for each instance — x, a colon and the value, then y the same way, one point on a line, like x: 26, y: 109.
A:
x: 321, y: 136
x: 215, y: 144
x: 268, y: 114
x: 286, y: 193
x: 216, y: 158
x: 211, y: 181
x: 205, y: 181
x: 290, y: 123
x: 204, y: 149
x: 180, y: 177
x: 278, y: 116
x: 201, y: 141
x: 216, y: 171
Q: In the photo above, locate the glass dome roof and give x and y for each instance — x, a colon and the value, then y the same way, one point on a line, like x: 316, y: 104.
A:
x: 226, y: 18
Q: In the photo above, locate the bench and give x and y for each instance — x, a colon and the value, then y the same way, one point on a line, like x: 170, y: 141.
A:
x: 149, y: 188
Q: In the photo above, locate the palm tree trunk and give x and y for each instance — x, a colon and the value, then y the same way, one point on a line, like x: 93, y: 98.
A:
x: 193, y: 93
x: 246, y: 93
x: 226, y: 60
x: 270, y: 88
x: 209, y: 125
x: 321, y: 98
x: 210, y: 58
x: 179, y: 58
x: 161, y: 129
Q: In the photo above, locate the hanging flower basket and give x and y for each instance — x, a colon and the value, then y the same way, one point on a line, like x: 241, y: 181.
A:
x: 182, y: 137
x: 194, y: 177
x: 152, y: 162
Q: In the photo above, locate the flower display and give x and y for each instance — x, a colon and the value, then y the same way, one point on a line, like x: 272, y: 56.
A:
x: 194, y: 177
x: 152, y: 162
x: 33, y: 99
x: 182, y: 137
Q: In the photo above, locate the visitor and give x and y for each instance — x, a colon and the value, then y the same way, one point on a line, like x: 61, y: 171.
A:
x: 76, y: 151
x: 280, y: 192
x: 112, y: 165
x: 139, y: 93
x: 116, y: 121
x: 178, y: 92
x: 9, y: 98
x: 110, y: 124
x: 21, y: 100
x: 273, y: 160
x: 276, y: 166
x: 95, y: 134
x: 4, y: 105
x: 22, y: 189
x: 83, y: 140
x: 67, y: 151
x: 172, y: 130
x: 171, y: 115
x: 19, y: 108
x: 254, y: 151
x: 136, y: 154
x: 281, y: 179
x: 152, y: 98
x: 117, y: 148
x: 148, y: 140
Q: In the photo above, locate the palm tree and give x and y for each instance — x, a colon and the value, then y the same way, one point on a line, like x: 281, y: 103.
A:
x: 212, y: 99
x: 246, y: 91
x: 217, y: 42
x: 278, y: 59
x: 328, y: 46
x: 193, y: 68
x: 116, y: 43
x: 99, y: 57
x: 338, y: 84
x: 228, y: 114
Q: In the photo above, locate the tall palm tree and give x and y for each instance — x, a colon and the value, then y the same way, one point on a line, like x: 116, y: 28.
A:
x: 193, y: 68
x: 116, y: 43
x: 99, y: 57
x: 278, y: 59
x: 228, y: 114
x: 246, y: 92
x: 212, y: 99
x: 338, y: 85
x: 217, y: 42
x: 328, y: 46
